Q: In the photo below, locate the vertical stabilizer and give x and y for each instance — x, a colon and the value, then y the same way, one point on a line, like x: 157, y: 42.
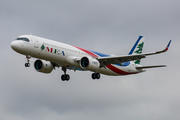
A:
x: 137, y: 48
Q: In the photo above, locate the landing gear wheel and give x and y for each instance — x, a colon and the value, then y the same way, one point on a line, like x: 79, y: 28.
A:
x: 95, y: 76
x: 27, y: 64
x: 65, y: 77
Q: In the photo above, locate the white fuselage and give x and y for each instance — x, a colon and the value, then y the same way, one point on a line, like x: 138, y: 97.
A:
x: 65, y: 55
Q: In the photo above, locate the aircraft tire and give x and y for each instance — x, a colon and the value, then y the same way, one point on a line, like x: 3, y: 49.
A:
x: 96, y: 76
x: 65, y: 77
x: 27, y: 64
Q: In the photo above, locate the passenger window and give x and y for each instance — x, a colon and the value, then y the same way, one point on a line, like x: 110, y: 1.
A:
x: 24, y: 39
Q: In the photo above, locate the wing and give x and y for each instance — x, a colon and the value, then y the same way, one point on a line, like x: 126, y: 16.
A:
x: 120, y: 59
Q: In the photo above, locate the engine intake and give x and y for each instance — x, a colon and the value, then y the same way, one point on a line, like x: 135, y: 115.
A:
x: 89, y: 63
x: 84, y: 62
x: 43, y: 66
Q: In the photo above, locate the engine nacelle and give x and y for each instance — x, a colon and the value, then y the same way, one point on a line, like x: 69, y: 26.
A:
x: 89, y: 63
x: 43, y: 66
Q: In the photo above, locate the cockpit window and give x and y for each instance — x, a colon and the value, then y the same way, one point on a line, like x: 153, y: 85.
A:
x: 24, y: 39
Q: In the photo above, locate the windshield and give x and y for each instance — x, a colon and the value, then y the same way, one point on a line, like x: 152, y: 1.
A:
x: 24, y: 39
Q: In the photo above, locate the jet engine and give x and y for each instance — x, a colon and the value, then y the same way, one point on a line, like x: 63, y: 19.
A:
x: 43, y: 66
x: 89, y: 63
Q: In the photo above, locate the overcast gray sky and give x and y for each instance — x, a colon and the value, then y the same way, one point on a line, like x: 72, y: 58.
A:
x: 107, y: 26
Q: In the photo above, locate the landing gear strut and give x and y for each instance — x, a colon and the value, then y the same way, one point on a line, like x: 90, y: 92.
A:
x: 65, y: 77
x: 28, y: 59
x: 96, y: 76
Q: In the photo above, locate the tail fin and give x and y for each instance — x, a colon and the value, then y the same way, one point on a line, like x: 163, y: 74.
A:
x: 137, y: 48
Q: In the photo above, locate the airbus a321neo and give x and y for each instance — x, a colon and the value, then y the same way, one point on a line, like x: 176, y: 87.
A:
x: 51, y: 54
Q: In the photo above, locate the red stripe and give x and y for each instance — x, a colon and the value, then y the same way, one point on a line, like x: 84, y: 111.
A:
x: 118, y: 71
x: 88, y: 52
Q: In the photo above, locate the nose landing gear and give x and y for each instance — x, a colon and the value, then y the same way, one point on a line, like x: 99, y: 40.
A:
x: 28, y: 59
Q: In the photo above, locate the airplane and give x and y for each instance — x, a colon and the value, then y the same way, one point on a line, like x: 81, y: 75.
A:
x: 51, y: 54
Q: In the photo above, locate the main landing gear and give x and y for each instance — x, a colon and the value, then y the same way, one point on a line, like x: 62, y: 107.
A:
x: 95, y: 76
x: 65, y: 77
x: 28, y: 59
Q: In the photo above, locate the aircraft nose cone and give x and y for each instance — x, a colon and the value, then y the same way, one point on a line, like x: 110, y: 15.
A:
x: 15, y: 45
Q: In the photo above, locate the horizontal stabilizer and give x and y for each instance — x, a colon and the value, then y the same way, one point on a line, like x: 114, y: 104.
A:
x: 145, y: 67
